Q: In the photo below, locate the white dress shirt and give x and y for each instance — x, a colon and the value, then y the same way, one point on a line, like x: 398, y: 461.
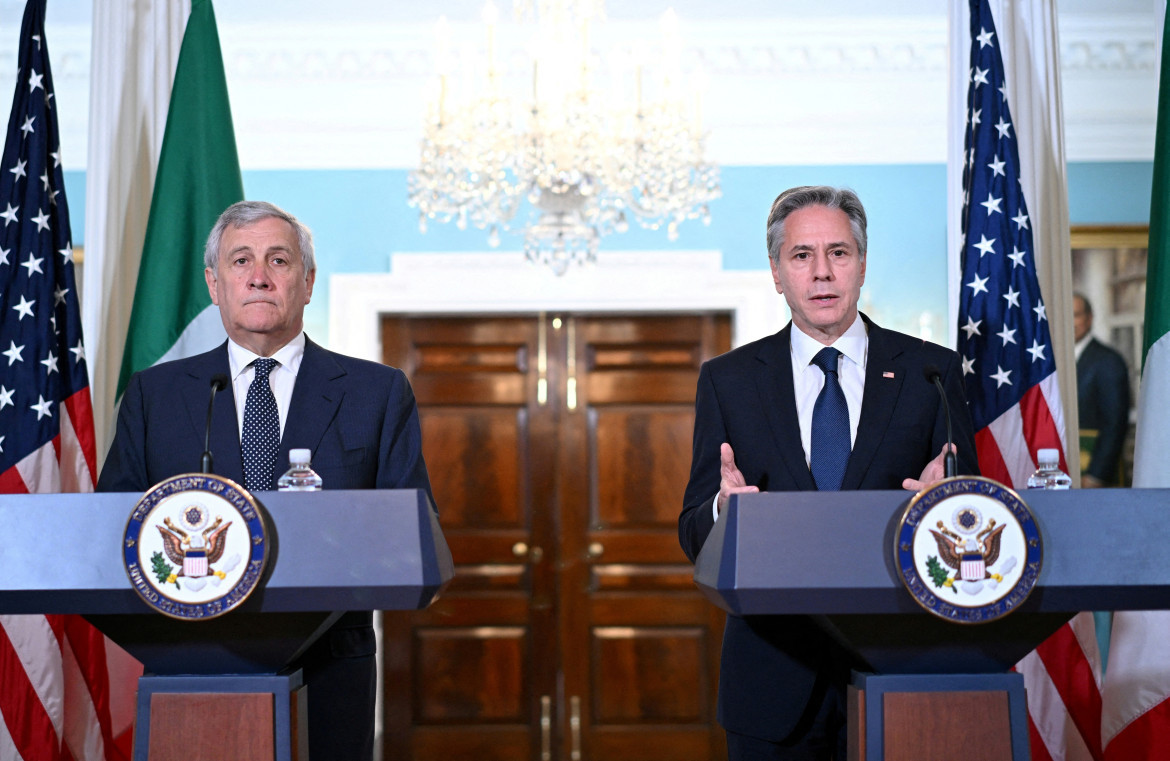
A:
x: 282, y: 378
x: 808, y: 380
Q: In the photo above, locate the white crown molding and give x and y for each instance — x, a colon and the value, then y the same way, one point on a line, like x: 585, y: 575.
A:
x: 874, y: 88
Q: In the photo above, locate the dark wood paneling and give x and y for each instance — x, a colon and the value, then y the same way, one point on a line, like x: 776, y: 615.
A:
x: 636, y: 674
x: 572, y: 601
x: 647, y: 687
x: 471, y: 675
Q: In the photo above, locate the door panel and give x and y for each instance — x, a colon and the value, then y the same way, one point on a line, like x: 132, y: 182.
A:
x: 477, y: 660
x: 559, y: 449
x: 647, y: 642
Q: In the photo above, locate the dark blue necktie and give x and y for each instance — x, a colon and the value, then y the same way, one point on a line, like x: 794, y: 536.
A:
x: 830, y: 426
x: 261, y: 435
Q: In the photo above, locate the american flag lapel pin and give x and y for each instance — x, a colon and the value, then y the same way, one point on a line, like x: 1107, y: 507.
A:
x: 887, y: 374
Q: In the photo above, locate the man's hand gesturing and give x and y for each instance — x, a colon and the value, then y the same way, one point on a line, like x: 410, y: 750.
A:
x: 730, y: 479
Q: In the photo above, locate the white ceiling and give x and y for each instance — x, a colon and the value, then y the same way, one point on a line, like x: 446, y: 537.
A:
x: 343, y: 83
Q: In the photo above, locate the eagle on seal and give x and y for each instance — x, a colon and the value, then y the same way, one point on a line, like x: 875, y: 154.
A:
x: 969, y: 557
x: 176, y: 541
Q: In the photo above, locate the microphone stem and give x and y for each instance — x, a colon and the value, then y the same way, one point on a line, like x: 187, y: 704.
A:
x: 950, y: 462
x: 206, y: 462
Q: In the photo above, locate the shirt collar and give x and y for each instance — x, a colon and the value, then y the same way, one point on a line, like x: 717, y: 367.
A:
x: 852, y: 343
x: 1079, y: 346
x: 289, y: 356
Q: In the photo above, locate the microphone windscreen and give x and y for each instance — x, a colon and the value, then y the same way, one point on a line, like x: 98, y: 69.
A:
x: 219, y: 381
x: 931, y: 372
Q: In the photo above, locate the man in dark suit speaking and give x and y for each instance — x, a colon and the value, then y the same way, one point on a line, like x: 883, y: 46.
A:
x: 831, y: 402
x: 358, y: 418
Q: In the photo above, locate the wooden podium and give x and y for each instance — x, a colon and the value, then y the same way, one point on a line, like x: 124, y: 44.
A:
x: 932, y: 687
x: 223, y: 688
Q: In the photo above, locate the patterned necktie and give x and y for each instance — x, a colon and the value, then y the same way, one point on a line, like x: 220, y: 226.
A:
x: 830, y: 426
x: 261, y: 437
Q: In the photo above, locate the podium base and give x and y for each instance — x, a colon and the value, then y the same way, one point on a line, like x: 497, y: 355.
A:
x: 908, y: 717
x: 261, y: 717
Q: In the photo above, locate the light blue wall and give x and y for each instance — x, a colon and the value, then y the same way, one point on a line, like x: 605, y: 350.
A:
x: 360, y: 217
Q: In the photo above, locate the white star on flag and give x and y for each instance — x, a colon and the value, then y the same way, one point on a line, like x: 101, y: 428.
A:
x: 1013, y: 297
x: 985, y: 246
x: 42, y: 408
x: 24, y: 308
x: 33, y: 264
x: 992, y: 204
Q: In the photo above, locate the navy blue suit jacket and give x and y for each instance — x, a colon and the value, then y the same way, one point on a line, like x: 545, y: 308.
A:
x: 745, y: 398
x: 1103, y: 406
x: 360, y: 421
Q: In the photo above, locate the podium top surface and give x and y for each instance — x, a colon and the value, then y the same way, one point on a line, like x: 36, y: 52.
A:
x: 331, y: 550
x: 813, y: 553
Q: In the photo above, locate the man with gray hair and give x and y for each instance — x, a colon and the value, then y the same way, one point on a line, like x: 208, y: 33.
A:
x: 831, y: 402
x: 358, y: 418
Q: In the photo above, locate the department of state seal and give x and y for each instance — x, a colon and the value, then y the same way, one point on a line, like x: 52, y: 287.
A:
x: 195, y: 546
x: 968, y: 549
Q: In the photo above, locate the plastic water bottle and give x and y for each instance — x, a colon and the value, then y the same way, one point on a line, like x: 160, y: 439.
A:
x: 1048, y: 474
x: 299, y: 476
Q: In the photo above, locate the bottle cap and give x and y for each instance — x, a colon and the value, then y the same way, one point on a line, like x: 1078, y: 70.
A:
x: 299, y: 456
x: 1050, y: 457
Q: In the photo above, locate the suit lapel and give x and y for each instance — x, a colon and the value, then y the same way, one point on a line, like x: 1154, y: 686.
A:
x: 225, y: 427
x: 316, y: 398
x: 877, y: 403
x: 779, y: 403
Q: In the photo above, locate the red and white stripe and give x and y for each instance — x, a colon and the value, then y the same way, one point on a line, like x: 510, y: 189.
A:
x: 1063, y: 674
x: 66, y: 692
x: 67, y: 464
x: 1064, y: 693
x: 1007, y: 447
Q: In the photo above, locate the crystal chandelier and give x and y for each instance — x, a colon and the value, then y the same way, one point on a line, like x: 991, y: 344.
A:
x: 575, y: 151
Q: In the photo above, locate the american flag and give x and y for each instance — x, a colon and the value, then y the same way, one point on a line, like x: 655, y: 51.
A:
x: 1008, y: 363
x: 59, y: 690
x: 1009, y: 369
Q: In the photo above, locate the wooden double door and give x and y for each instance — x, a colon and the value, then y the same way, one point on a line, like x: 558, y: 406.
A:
x: 558, y: 447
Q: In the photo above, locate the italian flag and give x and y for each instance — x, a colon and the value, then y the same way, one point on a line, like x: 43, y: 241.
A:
x: 198, y: 177
x: 1136, y: 721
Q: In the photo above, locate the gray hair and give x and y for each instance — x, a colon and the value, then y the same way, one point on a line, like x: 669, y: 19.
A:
x: 795, y: 199
x: 244, y: 213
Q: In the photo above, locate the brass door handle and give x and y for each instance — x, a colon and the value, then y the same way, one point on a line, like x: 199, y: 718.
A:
x: 575, y: 728
x: 595, y: 550
x: 532, y: 554
x: 545, y: 728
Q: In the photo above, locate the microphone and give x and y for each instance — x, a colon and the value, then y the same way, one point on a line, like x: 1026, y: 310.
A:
x: 219, y: 382
x: 950, y: 464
